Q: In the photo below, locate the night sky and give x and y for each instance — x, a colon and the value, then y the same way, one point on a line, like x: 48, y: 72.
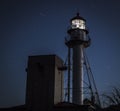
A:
x: 35, y: 27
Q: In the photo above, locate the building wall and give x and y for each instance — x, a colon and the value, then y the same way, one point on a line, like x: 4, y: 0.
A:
x: 44, y: 82
x: 58, y: 85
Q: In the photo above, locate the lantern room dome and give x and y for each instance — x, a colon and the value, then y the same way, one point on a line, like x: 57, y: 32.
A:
x: 77, y: 17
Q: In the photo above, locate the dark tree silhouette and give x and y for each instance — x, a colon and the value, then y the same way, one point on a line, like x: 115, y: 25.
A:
x: 113, y: 98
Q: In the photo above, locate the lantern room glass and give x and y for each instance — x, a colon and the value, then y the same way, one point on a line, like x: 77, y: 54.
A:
x: 78, y: 23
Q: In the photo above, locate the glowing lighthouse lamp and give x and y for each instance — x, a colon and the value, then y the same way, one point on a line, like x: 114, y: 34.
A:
x: 78, y: 23
x: 77, y: 40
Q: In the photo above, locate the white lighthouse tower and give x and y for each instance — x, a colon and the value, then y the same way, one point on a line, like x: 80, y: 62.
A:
x: 77, y: 41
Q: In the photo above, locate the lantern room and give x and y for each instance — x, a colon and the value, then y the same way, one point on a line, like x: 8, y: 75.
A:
x: 78, y: 22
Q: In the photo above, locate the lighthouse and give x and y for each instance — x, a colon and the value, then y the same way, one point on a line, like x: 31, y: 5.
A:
x: 77, y: 41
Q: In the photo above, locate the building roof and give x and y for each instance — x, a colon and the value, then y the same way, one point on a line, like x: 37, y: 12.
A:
x: 14, y: 108
x: 70, y: 106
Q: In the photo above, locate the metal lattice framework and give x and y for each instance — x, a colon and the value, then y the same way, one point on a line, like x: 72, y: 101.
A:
x: 90, y: 89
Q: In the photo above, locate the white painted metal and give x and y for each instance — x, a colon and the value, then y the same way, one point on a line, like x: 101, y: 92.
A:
x: 78, y: 60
